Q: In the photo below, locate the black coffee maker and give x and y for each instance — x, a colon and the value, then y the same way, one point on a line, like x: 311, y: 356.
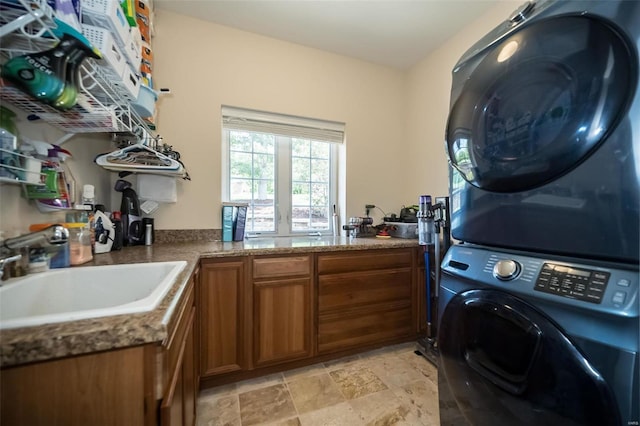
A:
x: 132, y: 230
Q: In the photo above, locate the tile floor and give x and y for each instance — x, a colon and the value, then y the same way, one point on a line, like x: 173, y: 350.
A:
x: 388, y: 386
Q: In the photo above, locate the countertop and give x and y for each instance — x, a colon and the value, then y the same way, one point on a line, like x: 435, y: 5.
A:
x: 49, y: 341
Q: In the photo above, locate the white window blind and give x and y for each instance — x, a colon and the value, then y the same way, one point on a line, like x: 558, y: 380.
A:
x: 280, y: 124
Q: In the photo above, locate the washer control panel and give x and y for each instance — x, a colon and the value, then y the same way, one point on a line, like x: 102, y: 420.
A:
x: 577, y: 283
x: 506, y: 270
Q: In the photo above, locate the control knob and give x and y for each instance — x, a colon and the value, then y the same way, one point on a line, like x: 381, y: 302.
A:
x: 506, y: 270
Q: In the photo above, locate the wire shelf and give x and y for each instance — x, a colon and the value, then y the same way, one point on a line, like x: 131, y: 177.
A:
x: 102, y: 103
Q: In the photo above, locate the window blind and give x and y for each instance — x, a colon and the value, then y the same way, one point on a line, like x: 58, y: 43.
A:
x: 280, y: 124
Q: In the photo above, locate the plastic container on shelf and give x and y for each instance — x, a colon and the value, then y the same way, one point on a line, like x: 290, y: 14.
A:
x: 134, y: 49
x: 107, y: 14
x: 129, y: 86
x: 8, y: 129
x: 145, y: 105
x: 113, y: 60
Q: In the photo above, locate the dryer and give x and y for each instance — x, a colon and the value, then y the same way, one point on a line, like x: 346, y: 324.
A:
x: 543, y: 134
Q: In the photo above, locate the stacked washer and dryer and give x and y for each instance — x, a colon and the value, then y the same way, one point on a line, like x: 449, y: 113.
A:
x: 538, y: 306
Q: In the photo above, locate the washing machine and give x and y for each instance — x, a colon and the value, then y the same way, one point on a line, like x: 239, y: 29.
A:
x: 530, y: 340
x: 538, y: 308
x: 543, y: 134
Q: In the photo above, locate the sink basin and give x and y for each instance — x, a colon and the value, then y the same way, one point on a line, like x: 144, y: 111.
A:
x: 85, y: 292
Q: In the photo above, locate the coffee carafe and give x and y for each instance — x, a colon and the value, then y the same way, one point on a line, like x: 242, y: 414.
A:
x: 132, y: 230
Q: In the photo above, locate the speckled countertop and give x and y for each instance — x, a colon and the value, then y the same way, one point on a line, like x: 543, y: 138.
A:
x: 39, y: 343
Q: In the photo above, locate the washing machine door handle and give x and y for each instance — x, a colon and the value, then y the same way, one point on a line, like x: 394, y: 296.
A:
x: 476, y: 357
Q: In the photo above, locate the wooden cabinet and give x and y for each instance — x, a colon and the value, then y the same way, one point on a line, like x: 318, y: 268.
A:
x: 365, y: 298
x: 261, y: 313
x: 282, y: 311
x: 118, y: 387
x: 222, y: 313
x: 179, y: 401
x: 107, y: 388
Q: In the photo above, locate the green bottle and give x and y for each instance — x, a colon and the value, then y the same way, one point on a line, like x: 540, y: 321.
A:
x: 51, y: 75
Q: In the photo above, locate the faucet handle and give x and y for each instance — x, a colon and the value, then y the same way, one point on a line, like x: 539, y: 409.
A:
x: 6, y: 260
x: 59, y: 234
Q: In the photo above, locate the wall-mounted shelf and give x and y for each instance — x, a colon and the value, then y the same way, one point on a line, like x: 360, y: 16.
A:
x: 22, y: 168
x: 101, y: 106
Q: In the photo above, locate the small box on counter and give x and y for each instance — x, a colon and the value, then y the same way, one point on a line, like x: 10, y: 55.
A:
x: 402, y: 229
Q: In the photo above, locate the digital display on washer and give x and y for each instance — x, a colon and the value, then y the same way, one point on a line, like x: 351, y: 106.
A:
x: 581, y: 284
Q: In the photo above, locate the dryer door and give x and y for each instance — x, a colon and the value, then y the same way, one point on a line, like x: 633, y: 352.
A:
x: 507, y: 364
x: 539, y: 103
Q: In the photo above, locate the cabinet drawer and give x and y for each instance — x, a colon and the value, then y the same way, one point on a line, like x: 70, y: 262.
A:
x: 343, y: 291
x: 368, y: 325
x: 364, y: 260
x: 273, y: 267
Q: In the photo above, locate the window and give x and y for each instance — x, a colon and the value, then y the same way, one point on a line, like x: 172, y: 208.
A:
x: 284, y: 168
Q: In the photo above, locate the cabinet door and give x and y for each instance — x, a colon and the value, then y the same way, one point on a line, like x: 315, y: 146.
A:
x: 171, y: 411
x: 221, y: 316
x: 282, y: 318
x: 189, y: 390
x: 178, y: 404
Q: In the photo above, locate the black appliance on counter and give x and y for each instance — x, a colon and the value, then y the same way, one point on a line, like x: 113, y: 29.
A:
x: 132, y: 229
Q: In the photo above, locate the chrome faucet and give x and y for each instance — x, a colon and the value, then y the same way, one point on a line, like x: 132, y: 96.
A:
x: 50, y: 237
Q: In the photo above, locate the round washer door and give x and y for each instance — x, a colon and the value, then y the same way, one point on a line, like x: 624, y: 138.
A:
x: 506, y: 364
x: 540, y: 102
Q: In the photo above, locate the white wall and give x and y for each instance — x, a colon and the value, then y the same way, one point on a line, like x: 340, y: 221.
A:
x: 208, y: 65
x: 427, y: 97
x: 17, y: 213
x: 395, y: 120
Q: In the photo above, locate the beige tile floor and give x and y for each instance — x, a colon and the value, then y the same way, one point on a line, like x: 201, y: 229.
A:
x: 388, y: 386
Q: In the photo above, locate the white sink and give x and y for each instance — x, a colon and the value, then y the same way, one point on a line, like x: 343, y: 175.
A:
x: 85, y: 292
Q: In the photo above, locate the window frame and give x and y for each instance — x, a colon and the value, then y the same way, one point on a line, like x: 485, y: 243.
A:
x: 283, y: 186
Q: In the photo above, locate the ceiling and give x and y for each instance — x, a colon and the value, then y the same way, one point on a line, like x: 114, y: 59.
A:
x: 395, y: 33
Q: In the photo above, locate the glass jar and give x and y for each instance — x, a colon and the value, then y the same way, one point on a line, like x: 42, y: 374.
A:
x: 79, y: 243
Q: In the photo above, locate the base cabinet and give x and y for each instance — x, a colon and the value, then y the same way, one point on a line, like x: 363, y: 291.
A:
x: 282, y: 309
x: 222, y: 315
x: 108, y: 388
x: 266, y: 312
x: 365, y: 298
